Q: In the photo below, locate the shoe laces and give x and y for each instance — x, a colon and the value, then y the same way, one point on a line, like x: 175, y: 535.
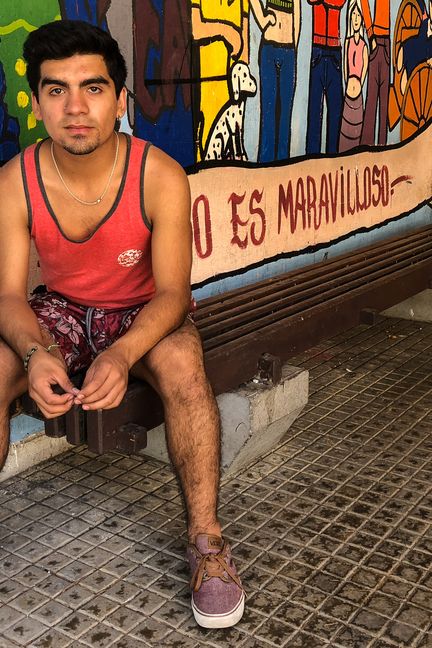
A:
x: 213, y: 566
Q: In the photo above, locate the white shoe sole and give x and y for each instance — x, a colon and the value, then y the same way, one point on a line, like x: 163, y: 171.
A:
x: 219, y: 620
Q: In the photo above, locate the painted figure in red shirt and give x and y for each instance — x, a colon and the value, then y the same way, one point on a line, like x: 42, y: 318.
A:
x: 325, y: 79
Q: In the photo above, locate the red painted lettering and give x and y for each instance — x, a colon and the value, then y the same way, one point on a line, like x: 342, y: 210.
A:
x: 385, y: 186
x: 300, y: 203
x: 367, y: 189
x: 311, y: 197
x: 376, y: 182
x: 342, y: 185
x: 323, y: 201
x: 359, y: 205
x: 257, y: 196
x: 286, y: 205
x: 333, y: 194
x: 351, y: 209
x: 236, y: 221
x: 196, y: 228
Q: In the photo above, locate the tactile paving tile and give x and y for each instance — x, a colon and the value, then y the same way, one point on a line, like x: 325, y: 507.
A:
x: 332, y: 530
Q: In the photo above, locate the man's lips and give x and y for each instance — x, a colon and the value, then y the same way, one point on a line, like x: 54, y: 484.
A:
x: 78, y: 128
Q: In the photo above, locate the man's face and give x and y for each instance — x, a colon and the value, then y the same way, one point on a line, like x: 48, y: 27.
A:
x: 77, y: 102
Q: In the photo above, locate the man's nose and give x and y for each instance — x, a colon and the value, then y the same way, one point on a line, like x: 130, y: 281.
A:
x: 76, y: 103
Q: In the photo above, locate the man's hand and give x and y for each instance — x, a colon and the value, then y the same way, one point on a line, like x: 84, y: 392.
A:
x: 105, y: 383
x: 44, y: 372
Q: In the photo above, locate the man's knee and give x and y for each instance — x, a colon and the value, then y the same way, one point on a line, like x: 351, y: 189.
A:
x: 179, y: 368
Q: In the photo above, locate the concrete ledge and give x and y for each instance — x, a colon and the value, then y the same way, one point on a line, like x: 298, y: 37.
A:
x: 29, y: 446
x: 418, y: 308
x: 254, y: 419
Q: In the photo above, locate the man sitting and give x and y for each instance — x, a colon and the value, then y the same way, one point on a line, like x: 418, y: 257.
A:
x: 110, y: 218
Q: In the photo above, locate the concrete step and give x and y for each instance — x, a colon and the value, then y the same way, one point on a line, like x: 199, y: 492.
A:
x: 254, y: 419
x: 418, y: 308
x: 29, y: 446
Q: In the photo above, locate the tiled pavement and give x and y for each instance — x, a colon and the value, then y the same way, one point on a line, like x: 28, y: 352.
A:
x: 332, y: 530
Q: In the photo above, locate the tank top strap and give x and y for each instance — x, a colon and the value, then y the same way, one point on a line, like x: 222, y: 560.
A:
x: 134, y: 190
x: 30, y: 171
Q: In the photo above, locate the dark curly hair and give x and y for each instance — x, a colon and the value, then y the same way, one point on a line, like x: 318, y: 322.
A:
x: 64, y: 38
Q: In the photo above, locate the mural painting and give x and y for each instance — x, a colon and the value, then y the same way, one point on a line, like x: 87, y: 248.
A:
x: 220, y: 39
x: 325, y: 80
x: 18, y: 126
x: 300, y: 124
x: 9, y: 126
x: 91, y: 11
x: 409, y: 96
x: 378, y: 31
x: 304, y: 207
x: 355, y: 65
x: 280, y: 27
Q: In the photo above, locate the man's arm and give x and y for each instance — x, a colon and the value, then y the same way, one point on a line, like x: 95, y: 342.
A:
x: 167, y: 203
x: 18, y: 324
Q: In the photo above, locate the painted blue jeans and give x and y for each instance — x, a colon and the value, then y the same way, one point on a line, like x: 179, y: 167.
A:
x: 277, y: 79
x: 325, y: 81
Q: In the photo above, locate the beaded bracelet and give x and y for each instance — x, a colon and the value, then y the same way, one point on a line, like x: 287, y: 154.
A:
x: 30, y: 352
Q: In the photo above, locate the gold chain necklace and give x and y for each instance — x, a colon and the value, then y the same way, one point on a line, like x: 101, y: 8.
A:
x: 86, y: 202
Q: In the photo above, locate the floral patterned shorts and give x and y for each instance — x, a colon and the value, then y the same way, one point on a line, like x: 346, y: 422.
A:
x: 81, y: 331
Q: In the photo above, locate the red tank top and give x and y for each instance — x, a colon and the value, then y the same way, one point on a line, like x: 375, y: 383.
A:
x: 112, y: 267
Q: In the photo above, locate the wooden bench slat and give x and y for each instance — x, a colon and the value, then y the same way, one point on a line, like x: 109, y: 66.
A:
x: 215, y: 335
x: 211, y: 305
x: 299, y: 294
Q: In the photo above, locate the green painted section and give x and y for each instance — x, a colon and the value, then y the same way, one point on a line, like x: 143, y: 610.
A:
x: 17, y: 19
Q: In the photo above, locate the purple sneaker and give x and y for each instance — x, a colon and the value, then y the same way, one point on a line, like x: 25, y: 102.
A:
x: 217, y: 593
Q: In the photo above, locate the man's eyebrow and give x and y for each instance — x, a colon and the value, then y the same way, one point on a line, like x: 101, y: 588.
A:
x: 63, y: 84
x: 94, y: 81
x: 49, y: 81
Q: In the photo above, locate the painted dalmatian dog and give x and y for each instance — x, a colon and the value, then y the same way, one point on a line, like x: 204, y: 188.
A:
x: 225, y: 140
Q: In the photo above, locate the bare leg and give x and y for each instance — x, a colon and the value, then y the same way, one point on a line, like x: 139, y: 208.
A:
x: 174, y: 367
x: 13, y: 383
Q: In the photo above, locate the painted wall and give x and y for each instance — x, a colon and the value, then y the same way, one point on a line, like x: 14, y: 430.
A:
x: 297, y: 120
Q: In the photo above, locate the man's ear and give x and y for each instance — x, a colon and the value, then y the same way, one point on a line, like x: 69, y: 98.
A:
x: 121, y: 103
x: 35, y: 107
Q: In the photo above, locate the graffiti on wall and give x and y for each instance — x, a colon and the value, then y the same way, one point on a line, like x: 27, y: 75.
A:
x: 203, y: 76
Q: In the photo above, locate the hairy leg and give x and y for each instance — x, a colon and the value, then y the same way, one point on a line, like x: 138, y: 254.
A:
x: 175, y: 369
x: 13, y: 383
